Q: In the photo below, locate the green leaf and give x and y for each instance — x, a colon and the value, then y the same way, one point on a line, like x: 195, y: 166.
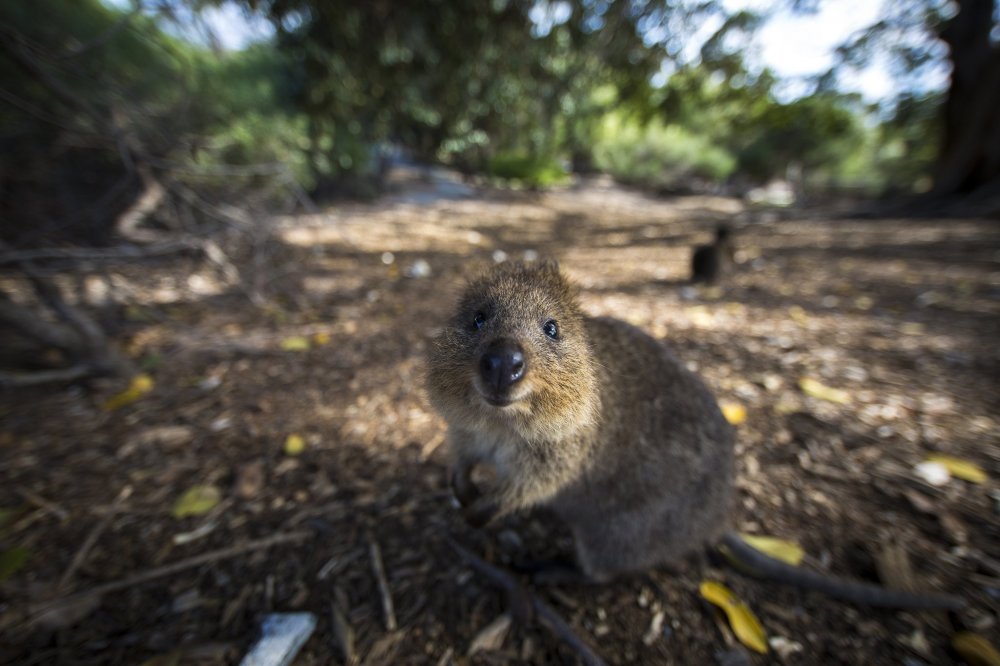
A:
x: 11, y: 560
x: 196, y: 501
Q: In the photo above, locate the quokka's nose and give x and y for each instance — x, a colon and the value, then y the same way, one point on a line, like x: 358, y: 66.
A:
x: 502, y: 365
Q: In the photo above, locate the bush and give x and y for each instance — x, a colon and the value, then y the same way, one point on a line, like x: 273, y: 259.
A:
x: 657, y: 155
x: 528, y: 170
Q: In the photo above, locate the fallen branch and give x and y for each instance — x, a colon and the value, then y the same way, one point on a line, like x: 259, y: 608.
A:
x: 53, y: 606
x: 91, y: 540
x: 342, y: 629
x: 14, y: 380
x: 123, y: 252
x: 383, y: 585
x: 76, y: 334
x: 547, y: 615
x: 128, y: 222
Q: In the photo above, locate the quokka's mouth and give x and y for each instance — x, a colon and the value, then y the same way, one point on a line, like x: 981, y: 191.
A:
x: 498, y: 401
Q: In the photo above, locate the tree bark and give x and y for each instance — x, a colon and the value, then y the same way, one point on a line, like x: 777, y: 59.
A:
x: 970, y: 154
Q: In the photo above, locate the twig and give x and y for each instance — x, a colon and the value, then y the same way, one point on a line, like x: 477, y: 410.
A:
x: 549, y: 617
x: 170, y: 569
x: 152, y: 195
x: 33, y: 327
x: 123, y: 252
x: 95, y: 534
x: 13, y: 44
x: 446, y: 657
x: 342, y: 630
x: 383, y: 585
x: 43, y: 503
x: 123, y: 21
x: 94, y: 349
x: 10, y: 380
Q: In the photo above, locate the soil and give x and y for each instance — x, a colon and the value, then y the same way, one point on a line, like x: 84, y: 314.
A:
x: 902, y: 316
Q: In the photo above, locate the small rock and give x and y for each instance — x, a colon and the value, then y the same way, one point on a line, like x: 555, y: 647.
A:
x: 492, y: 636
x: 418, y: 269
x: 933, y: 473
x: 784, y: 647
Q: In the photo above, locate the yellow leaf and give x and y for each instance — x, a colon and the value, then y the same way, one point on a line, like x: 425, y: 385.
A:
x: 700, y: 316
x: 295, y: 343
x: 961, y: 469
x: 975, y: 649
x: 140, y: 386
x: 321, y: 338
x: 745, y: 624
x: 780, y: 549
x: 798, y: 315
x: 815, y: 389
x: 196, y: 501
x: 294, y: 445
x: 734, y: 412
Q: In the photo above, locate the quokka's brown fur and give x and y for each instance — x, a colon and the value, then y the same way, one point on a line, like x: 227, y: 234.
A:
x: 600, y: 422
x: 606, y: 426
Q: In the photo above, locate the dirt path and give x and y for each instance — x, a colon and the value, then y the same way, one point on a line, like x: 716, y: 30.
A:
x: 901, y: 315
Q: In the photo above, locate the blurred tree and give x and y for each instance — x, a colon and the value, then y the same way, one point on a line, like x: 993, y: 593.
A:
x: 466, y: 80
x: 965, y: 34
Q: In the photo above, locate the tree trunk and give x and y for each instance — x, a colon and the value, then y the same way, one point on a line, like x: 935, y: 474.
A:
x: 970, y: 155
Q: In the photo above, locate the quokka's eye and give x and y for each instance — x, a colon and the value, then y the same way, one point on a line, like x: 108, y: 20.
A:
x: 478, y: 321
x: 551, y: 329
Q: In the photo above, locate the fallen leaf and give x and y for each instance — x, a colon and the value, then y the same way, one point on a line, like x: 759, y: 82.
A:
x: 250, y: 480
x: 780, y: 549
x: 11, y: 560
x: 196, y: 501
x: 321, y: 339
x: 745, y: 624
x: 815, y: 389
x: 960, y: 469
x: 490, y: 637
x: 734, y: 412
x: 140, y: 386
x: 295, y: 343
x: 975, y: 649
x: 294, y: 445
x: 798, y: 315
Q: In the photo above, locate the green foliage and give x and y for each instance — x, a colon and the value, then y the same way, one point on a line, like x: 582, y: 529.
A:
x: 657, y: 155
x: 813, y: 132
x: 515, y: 90
x: 904, y: 152
x: 529, y: 170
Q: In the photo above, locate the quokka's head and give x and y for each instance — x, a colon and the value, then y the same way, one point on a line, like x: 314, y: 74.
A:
x: 515, y: 355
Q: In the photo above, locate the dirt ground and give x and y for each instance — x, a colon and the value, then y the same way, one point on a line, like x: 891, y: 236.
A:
x: 902, y: 316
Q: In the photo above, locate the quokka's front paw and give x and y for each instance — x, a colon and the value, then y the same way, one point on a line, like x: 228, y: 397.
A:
x: 464, y: 490
x: 481, y: 512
